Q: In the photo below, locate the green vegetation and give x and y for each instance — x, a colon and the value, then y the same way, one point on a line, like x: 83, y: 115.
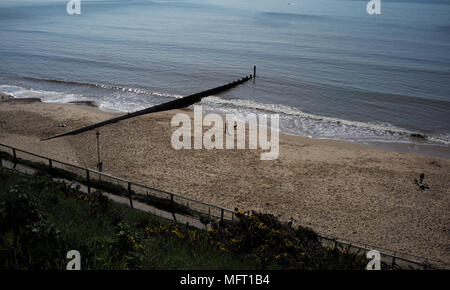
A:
x: 41, y: 220
x: 160, y: 203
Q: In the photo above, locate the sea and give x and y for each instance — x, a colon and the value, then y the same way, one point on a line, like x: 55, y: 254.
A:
x: 328, y: 68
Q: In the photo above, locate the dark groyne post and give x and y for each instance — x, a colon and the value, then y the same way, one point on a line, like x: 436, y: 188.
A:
x: 254, y: 72
x: 175, y: 104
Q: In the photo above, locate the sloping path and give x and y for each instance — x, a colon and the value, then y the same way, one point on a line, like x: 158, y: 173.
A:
x: 116, y: 198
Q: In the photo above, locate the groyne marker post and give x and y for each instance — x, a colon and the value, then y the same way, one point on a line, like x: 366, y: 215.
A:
x: 254, y: 72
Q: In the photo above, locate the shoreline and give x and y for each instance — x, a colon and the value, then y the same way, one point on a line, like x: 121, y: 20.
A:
x: 425, y: 149
x: 351, y: 191
x: 431, y: 150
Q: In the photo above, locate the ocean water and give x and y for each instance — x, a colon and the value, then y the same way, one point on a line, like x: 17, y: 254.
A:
x: 326, y: 67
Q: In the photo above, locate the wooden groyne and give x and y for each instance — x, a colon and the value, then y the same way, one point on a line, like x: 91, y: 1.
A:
x: 175, y: 104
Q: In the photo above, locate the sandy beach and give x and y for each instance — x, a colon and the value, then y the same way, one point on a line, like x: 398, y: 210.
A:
x: 354, y: 192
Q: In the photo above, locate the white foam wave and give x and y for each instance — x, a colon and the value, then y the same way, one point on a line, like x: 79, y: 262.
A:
x: 297, y: 122
x: 292, y: 120
x: 45, y: 96
x: 286, y: 110
x: 138, y: 91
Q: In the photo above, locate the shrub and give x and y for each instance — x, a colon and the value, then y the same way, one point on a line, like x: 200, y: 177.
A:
x: 36, y: 243
x: 264, y: 238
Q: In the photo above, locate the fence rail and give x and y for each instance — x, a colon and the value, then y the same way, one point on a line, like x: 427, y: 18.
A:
x: 141, y: 192
x: 135, y: 191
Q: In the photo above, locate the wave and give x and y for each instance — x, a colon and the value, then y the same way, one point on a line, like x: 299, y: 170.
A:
x: 292, y: 120
x: 317, y: 126
x: 287, y: 110
x: 105, y: 86
x: 45, y: 96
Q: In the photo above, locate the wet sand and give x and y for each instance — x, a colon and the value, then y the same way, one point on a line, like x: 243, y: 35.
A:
x: 354, y: 192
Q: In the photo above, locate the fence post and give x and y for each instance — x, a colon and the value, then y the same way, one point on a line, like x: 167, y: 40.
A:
x: 88, y: 181
x: 15, y: 156
x: 50, y: 163
x: 130, y: 194
x: 221, y: 215
x: 393, y: 262
x: 171, y: 201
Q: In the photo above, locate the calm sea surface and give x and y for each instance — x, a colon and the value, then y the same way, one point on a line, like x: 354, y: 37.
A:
x: 327, y: 67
